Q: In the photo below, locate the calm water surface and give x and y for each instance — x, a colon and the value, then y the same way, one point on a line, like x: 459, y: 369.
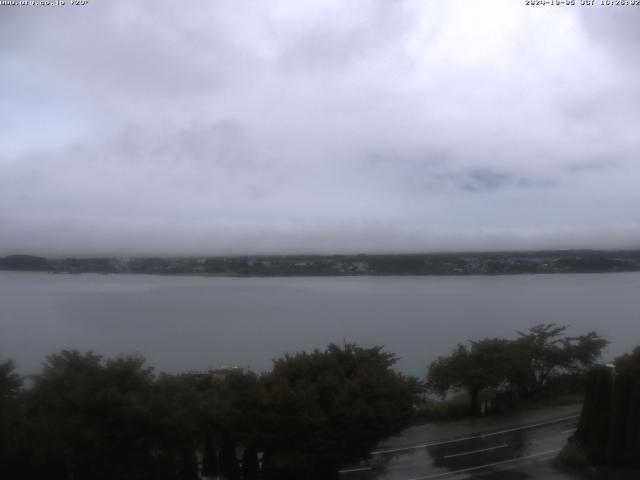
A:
x: 184, y: 323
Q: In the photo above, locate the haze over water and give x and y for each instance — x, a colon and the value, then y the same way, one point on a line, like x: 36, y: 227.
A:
x: 187, y: 323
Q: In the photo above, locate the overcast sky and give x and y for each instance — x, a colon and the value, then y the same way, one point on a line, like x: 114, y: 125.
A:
x: 230, y: 127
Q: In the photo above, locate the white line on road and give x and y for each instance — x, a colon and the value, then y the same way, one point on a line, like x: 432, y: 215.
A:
x: 569, y: 430
x: 480, y: 450
x: 479, y: 467
x: 352, y: 470
x: 435, y: 444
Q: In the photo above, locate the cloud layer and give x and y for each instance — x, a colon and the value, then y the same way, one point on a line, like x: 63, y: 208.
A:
x: 325, y: 126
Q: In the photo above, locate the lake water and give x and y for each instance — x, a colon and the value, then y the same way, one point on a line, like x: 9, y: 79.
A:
x: 185, y: 323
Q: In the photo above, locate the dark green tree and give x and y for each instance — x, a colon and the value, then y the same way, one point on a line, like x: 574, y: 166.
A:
x: 624, y: 438
x: 593, y: 427
x: 177, y: 404
x: 10, y: 381
x: 484, y: 364
x: 229, y: 467
x: 544, y: 350
x: 609, y: 427
x: 10, y: 385
x: 331, y: 406
x: 91, y: 418
x: 210, y: 466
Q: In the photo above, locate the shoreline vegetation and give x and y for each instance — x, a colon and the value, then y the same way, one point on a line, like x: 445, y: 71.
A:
x: 439, y: 264
x: 606, y: 443
x: 92, y: 418
x: 88, y: 417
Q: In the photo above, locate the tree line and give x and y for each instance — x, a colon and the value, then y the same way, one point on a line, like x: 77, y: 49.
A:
x: 521, y: 367
x: 88, y: 417
x: 488, y: 263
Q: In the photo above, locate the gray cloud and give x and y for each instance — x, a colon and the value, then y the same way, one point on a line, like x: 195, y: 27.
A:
x: 316, y: 127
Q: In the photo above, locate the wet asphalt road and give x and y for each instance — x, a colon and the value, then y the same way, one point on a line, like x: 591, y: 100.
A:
x: 515, y: 453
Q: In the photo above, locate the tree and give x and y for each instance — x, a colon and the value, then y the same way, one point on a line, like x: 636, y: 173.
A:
x: 609, y: 427
x: 210, y: 466
x: 10, y: 381
x: 328, y: 407
x: 90, y: 418
x: 229, y: 467
x: 10, y: 384
x: 543, y: 351
x: 180, y: 427
x: 86, y: 417
x: 482, y: 365
x: 525, y: 363
x: 629, y: 363
x: 624, y: 438
x: 25, y: 262
x: 595, y: 418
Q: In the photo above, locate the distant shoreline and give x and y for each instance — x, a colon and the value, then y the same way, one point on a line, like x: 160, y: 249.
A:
x: 451, y: 264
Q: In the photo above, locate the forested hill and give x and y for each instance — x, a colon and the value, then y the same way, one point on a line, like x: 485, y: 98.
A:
x: 494, y: 263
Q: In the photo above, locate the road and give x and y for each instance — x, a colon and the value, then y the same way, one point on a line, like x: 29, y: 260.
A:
x: 522, y: 452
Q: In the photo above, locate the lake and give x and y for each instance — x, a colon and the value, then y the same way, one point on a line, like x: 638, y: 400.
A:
x: 193, y: 323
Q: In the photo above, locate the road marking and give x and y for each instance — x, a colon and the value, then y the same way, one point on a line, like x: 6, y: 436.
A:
x: 569, y: 430
x: 471, y: 452
x: 446, y: 442
x: 357, y: 469
x: 479, y: 467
